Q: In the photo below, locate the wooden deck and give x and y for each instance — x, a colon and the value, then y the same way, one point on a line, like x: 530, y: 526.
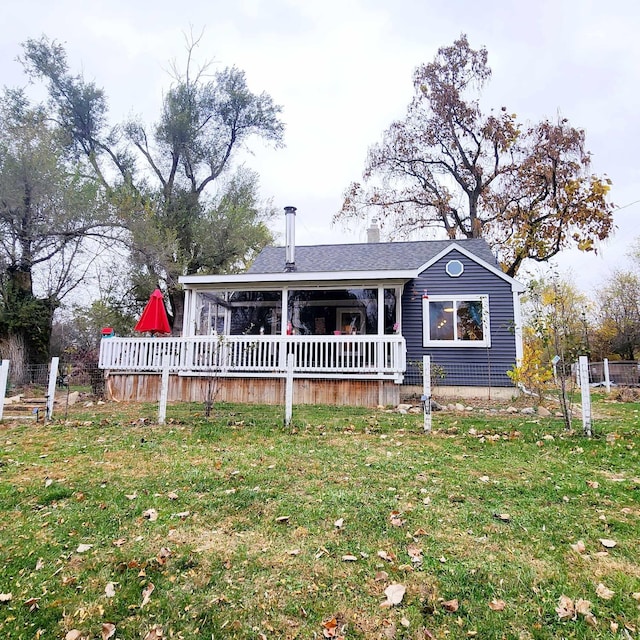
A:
x: 145, y: 387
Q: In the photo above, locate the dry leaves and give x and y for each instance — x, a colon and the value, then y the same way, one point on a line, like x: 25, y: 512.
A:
x: 604, y: 592
x: 146, y: 594
x: 451, y: 605
x: 568, y: 610
x: 395, y: 593
x: 6, y: 597
x: 415, y: 553
x: 74, y: 634
x: 579, y: 547
x: 155, y: 633
x: 497, y: 605
x: 349, y: 558
x: 82, y: 548
x: 333, y: 628
x: 163, y: 555
x: 150, y: 514
x: 503, y: 517
x: 339, y: 523
x: 396, y: 519
x: 607, y: 543
x: 389, y: 557
x: 110, y: 589
x: 108, y: 630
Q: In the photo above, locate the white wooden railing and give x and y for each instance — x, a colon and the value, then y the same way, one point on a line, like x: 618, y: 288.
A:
x: 316, y: 356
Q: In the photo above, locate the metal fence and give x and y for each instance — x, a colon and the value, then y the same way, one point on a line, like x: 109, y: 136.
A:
x: 459, y: 375
x: 87, y: 378
x: 621, y: 373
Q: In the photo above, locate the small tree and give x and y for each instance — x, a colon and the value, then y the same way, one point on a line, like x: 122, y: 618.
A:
x: 555, y: 315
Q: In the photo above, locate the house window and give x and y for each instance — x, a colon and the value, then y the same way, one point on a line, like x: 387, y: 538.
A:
x: 456, y: 321
x: 454, y: 268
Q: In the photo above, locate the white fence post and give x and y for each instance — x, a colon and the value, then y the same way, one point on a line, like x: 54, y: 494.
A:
x: 426, y: 396
x: 4, y: 377
x: 164, y: 390
x: 51, y: 390
x: 288, y: 393
x: 607, y: 380
x: 583, y: 368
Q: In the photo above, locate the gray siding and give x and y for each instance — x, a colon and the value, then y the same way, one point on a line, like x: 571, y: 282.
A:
x: 475, y: 366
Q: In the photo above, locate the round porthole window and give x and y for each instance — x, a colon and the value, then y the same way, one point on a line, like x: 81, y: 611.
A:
x: 454, y: 268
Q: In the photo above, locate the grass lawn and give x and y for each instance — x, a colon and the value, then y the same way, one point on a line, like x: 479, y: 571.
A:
x: 234, y: 527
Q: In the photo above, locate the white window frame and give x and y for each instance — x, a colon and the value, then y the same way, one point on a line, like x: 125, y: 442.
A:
x: 426, y: 324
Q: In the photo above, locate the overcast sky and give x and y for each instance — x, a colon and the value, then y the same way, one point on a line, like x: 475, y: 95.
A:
x: 342, y: 70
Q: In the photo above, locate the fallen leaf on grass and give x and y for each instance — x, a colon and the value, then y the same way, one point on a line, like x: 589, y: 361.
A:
x: 82, y: 548
x: 74, y: 634
x: 39, y: 564
x: 396, y: 519
x: 32, y: 603
x: 349, y: 558
x: 635, y: 595
x: 604, y: 592
x: 108, y: 630
x: 593, y: 484
x: 451, y: 605
x: 163, y: 555
x: 150, y: 514
x: 120, y: 542
x: 381, y: 576
x: 339, y: 523
x: 110, y: 589
x: 146, y: 594
x: 565, y: 608
x: 156, y: 633
x: 607, y: 543
x: 579, y: 547
x: 6, y: 597
x: 181, y: 514
x: 583, y: 607
x: 389, y: 557
x: 283, y: 518
x: 172, y: 495
x: 503, y: 517
x: 415, y: 553
x: 131, y: 496
x: 332, y: 628
x: 395, y: 593
x: 497, y: 605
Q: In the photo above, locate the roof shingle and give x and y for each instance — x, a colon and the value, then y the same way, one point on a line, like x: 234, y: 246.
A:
x: 379, y: 256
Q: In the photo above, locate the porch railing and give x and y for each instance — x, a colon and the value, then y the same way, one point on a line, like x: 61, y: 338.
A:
x: 316, y: 356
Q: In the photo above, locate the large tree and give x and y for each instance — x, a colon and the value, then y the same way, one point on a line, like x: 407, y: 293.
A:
x: 175, y: 185
x: 527, y: 189
x: 49, y: 211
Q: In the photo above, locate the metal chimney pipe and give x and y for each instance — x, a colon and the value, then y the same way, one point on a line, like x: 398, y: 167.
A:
x: 290, y: 250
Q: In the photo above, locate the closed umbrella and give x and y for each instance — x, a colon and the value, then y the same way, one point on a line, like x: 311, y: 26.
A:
x: 154, y: 317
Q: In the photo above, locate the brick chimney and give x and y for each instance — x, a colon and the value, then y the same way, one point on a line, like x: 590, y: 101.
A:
x: 373, y: 232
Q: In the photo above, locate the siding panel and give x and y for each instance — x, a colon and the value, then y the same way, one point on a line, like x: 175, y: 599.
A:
x: 476, y: 366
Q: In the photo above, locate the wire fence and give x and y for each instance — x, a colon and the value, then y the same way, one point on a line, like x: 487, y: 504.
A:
x: 459, y: 374
x: 86, y: 378
x: 621, y: 373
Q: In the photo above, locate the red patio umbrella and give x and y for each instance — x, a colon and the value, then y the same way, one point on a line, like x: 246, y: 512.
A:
x: 154, y: 317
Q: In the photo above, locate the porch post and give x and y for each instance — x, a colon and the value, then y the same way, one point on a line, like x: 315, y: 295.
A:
x: 380, y: 359
x: 282, y: 351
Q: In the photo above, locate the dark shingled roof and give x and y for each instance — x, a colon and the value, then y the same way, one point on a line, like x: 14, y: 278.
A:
x: 379, y: 256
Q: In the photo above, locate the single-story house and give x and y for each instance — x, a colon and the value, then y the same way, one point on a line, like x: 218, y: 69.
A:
x: 357, y: 318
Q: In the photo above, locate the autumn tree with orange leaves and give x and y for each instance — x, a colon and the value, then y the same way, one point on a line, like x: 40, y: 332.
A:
x: 447, y: 165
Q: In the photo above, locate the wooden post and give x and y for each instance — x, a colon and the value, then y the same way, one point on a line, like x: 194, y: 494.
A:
x: 4, y: 377
x: 164, y: 390
x: 426, y: 396
x: 583, y: 368
x: 51, y: 391
x: 607, y: 381
x: 288, y: 393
